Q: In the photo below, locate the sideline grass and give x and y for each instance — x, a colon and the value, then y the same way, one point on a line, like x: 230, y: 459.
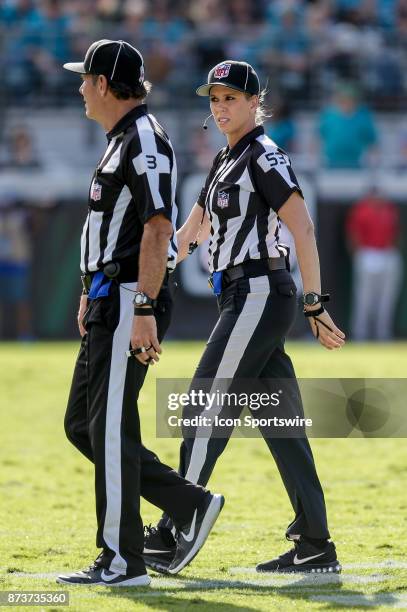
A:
x: 47, y: 520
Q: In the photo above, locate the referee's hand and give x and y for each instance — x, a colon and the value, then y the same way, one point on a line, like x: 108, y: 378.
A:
x: 144, y: 334
x: 325, y: 330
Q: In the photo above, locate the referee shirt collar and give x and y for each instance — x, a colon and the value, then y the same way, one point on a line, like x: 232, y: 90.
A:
x: 240, y: 146
x: 127, y: 120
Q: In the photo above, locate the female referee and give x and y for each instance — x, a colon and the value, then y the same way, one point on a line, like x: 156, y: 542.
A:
x: 250, y: 187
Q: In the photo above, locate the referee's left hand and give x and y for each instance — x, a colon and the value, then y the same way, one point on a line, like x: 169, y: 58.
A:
x: 325, y: 330
x: 144, y: 334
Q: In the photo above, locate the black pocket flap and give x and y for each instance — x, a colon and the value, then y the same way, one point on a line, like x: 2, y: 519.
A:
x: 288, y: 289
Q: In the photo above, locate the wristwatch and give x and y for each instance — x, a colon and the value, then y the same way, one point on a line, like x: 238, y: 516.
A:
x: 311, y: 298
x: 142, y: 299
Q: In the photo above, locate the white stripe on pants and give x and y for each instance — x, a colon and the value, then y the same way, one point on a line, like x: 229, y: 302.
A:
x: 118, y: 367
x: 239, y: 339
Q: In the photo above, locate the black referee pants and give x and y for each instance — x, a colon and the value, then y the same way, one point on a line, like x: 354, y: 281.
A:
x: 102, y: 421
x: 248, y: 342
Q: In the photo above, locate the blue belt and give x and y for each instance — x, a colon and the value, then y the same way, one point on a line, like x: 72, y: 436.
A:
x: 100, y: 286
x: 215, y: 282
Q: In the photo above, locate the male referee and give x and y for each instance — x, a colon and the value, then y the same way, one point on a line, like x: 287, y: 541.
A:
x: 128, y: 243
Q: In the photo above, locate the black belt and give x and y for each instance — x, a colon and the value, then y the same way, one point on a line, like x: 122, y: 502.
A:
x: 253, y: 268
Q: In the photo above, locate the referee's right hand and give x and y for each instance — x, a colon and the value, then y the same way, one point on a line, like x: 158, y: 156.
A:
x: 83, y: 304
x: 144, y: 335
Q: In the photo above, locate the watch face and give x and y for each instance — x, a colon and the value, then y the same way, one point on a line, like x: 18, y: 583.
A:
x: 310, y: 299
x: 139, y: 299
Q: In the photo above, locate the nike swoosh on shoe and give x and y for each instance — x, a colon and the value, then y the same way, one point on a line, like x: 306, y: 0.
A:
x: 298, y: 561
x: 107, y: 578
x: 188, y: 537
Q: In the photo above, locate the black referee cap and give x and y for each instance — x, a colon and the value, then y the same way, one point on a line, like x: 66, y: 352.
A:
x: 237, y: 75
x: 117, y: 60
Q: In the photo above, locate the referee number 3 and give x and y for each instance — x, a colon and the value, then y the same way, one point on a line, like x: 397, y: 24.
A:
x: 151, y: 162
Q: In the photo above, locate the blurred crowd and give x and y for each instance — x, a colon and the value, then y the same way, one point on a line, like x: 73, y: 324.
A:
x: 19, y: 221
x: 299, y: 47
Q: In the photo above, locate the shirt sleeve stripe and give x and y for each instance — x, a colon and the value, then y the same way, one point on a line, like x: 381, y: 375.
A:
x: 151, y: 163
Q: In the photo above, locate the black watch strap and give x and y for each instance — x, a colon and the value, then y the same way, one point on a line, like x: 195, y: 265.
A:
x: 139, y: 311
x: 314, y: 313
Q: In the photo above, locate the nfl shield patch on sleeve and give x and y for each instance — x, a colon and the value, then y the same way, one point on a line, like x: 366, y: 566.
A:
x: 96, y: 191
x: 223, y: 199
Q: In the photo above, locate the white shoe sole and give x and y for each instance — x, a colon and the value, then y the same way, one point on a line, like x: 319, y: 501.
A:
x: 333, y: 567
x: 137, y: 581
x: 210, y: 517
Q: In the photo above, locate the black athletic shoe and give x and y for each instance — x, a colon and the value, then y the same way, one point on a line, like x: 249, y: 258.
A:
x: 97, y: 575
x: 159, y: 548
x: 192, y: 537
x: 304, y: 557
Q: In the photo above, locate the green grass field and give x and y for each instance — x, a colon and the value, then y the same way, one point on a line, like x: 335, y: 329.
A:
x: 47, y: 519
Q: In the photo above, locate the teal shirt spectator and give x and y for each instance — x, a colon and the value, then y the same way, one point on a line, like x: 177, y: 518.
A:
x: 17, y: 26
x: 169, y: 32
x: 283, y: 133
x: 346, y: 137
x: 52, y: 36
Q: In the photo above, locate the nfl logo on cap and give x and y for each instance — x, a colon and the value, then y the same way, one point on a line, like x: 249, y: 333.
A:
x: 222, y: 71
x: 223, y: 199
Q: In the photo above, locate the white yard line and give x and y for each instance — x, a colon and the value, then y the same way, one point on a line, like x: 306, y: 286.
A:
x: 391, y: 600
x: 29, y: 575
x: 242, y: 570
x: 372, y: 565
x: 388, y: 563
x: 310, y: 580
x: 262, y: 580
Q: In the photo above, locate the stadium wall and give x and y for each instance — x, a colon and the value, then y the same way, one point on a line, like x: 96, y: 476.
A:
x: 54, y: 275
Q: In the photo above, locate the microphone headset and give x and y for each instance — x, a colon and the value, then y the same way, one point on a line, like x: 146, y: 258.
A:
x: 205, y: 127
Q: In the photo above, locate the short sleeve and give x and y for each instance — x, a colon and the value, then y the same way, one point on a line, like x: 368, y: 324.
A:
x: 149, y: 163
x: 204, y: 191
x: 274, y: 178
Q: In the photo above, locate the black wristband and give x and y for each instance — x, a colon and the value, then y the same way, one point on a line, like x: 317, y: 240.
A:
x: 143, y: 312
x: 314, y: 313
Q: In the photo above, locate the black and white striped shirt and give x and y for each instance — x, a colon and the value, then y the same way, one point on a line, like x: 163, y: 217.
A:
x: 135, y: 179
x: 245, y: 188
